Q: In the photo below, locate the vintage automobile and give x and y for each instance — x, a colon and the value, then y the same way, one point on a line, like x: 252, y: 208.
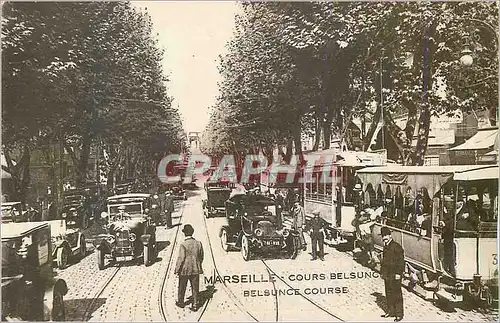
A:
x: 68, y: 240
x: 76, y: 200
x: 178, y: 191
x: 30, y: 290
x: 216, y: 201
x: 16, y: 212
x: 254, y: 228
x: 131, y: 233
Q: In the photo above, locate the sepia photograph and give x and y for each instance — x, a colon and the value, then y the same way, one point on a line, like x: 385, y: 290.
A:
x: 246, y: 161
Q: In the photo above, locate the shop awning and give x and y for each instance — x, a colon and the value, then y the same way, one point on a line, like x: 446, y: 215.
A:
x: 488, y: 172
x: 483, y: 139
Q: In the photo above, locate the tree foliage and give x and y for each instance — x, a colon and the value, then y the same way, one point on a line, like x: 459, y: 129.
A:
x: 297, y: 68
x: 84, y: 74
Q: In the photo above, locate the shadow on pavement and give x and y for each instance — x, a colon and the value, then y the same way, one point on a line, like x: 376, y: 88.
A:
x: 203, y: 296
x: 162, y: 245
x: 381, y: 301
x: 76, y: 308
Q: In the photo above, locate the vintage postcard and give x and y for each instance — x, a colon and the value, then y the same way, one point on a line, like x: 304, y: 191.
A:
x: 227, y: 161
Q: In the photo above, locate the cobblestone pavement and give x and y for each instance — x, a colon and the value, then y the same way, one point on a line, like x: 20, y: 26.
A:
x: 132, y: 294
x: 135, y: 293
x: 216, y: 301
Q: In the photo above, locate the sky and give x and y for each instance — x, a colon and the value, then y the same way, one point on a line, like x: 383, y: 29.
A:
x: 193, y: 34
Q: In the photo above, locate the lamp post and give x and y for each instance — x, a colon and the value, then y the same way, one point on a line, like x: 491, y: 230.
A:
x: 467, y: 58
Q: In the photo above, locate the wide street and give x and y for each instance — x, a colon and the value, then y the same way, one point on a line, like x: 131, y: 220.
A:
x: 297, y: 290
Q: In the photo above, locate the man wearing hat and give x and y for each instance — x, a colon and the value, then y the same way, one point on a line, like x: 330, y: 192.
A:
x: 299, y: 222
x: 189, y: 267
x: 358, y: 197
x: 122, y: 215
x: 391, y: 270
x: 169, y: 208
x: 317, y: 227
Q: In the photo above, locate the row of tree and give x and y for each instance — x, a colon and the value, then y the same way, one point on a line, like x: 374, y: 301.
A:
x: 310, y: 68
x: 83, y: 75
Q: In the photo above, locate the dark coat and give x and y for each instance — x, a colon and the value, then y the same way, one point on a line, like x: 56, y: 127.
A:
x: 393, y: 261
x: 316, y: 225
x: 169, y: 204
x: 190, y: 259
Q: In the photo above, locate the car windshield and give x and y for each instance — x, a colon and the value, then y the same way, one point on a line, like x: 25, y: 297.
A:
x: 134, y: 209
x: 260, y: 210
x: 10, y: 259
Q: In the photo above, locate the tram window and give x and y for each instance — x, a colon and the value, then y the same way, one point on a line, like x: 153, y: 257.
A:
x: 369, y: 195
x: 380, y: 195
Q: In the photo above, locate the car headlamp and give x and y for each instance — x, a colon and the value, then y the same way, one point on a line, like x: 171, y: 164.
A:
x: 132, y: 237
x: 258, y: 232
x: 286, y: 233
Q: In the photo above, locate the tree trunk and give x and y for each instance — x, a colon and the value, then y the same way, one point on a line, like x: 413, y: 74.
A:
x: 81, y: 174
x: 317, y: 132
x: 20, y: 173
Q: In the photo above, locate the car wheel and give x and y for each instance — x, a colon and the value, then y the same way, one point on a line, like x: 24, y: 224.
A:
x: 58, y: 310
x: 224, y: 239
x: 245, y: 248
x: 83, y: 247
x: 147, y: 255
x: 62, y: 257
x: 100, y: 259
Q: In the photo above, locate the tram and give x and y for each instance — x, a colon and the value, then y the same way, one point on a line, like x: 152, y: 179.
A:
x: 445, y: 218
x: 336, y: 169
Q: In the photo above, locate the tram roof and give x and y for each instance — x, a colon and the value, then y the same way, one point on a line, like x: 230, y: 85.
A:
x: 448, y: 169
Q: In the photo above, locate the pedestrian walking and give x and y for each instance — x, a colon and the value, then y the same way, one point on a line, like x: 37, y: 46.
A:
x: 189, y: 267
x: 299, y: 222
x: 391, y: 270
x: 316, y: 230
x: 169, y: 208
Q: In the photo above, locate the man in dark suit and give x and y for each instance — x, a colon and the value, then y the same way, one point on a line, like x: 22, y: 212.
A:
x: 189, y: 267
x: 317, y: 233
x: 169, y: 208
x: 391, y: 270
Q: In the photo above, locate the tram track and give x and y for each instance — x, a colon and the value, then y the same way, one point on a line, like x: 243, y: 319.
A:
x: 168, y: 272
x: 272, y: 272
x: 228, y: 291
x: 88, y: 310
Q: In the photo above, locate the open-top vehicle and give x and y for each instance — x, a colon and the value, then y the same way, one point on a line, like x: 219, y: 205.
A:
x: 216, y: 201
x: 16, y: 212
x: 30, y: 290
x: 131, y: 233
x: 254, y: 228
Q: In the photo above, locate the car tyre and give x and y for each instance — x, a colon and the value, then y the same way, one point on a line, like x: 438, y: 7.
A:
x: 58, y: 310
x: 147, y: 255
x: 83, y: 247
x: 224, y: 239
x: 62, y: 257
x: 100, y: 259
x: 245, y: 248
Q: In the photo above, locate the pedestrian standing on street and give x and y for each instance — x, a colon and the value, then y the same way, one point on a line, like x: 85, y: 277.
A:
x: 189, y: 267
x: 391, y: 270
x: 316, y: 230
x: 169, y: 208
x: 299, y: 222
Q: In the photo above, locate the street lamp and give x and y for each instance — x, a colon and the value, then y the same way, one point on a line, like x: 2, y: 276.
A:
x: 466, y: 58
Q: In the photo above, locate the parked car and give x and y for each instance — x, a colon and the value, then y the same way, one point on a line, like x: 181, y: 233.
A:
x: 30, y: 289
x: 68, y: 240
x: 17, y: 212
x: 130, y: 231
x: 254, y: 228
x: 215, y: 203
